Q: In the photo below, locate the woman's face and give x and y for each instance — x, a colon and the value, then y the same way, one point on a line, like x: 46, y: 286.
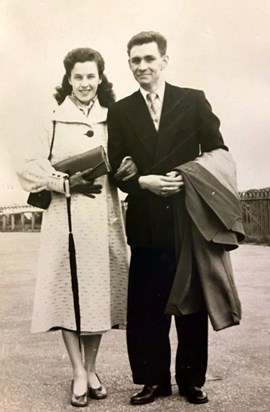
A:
x: 84, y: 80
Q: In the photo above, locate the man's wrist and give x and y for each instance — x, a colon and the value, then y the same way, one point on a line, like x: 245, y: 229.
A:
x: 142, y: 182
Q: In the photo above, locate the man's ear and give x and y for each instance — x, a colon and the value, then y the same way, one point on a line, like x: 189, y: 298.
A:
x: 129, y: 64
x: 165, y: 61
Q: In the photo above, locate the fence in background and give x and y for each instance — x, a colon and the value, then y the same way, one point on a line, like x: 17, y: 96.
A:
x: 255, y: 210
x: 256, y: 215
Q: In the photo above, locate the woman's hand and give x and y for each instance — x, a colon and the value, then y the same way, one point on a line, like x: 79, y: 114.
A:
x: 78, y: 184
x: 126, y: 170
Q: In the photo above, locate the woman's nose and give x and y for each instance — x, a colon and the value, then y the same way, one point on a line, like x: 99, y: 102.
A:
x: 85, y: 82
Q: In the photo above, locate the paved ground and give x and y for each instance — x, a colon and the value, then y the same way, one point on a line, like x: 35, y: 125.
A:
x: 35, y: 370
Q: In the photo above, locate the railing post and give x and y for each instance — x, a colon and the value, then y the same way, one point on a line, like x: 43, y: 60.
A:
x: 4, y: 222
x: 22, y: 221
x: 12, y: 221
x: 33, y: 219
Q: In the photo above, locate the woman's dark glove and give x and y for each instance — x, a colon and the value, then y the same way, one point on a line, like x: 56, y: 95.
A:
x: 78, y: 184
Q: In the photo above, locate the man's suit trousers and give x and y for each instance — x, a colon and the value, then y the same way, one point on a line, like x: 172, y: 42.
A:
x: 151, y: 276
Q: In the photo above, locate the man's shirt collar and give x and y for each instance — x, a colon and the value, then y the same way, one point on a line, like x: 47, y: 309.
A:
x: 160, y: 92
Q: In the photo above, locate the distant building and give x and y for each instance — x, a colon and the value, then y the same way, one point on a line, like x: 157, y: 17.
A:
x: 15, y: 213
x: 20, y: 218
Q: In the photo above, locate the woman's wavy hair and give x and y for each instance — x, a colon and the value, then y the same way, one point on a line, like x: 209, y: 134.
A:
x: 105, y: 91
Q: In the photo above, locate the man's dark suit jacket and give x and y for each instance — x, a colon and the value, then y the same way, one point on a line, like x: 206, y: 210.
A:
x: 187, y: 128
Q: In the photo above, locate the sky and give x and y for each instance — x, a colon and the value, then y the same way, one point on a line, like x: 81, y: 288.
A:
x: 221, y: 47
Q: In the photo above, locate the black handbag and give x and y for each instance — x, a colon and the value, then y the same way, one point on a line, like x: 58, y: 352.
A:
x: 43, y: 198
x: 92, y: 164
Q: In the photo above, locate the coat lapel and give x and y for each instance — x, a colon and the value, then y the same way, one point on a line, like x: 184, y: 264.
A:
x: 98, y: 113
x: 141, y: 121
x: 159, y: 144
x: 170, y: 122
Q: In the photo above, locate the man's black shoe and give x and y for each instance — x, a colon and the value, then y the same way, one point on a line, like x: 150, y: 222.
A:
x: 194, y: 394
x: 149, y: 393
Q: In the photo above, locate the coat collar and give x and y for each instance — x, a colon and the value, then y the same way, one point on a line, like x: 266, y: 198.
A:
x: 68, y: 112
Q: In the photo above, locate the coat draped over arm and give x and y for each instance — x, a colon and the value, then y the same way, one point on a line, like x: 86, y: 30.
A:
x: 209, y: 229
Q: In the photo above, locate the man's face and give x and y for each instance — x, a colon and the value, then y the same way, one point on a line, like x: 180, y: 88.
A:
x: 147, y: 64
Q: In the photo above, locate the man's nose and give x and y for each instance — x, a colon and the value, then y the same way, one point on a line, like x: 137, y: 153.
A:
x: 142, y: 65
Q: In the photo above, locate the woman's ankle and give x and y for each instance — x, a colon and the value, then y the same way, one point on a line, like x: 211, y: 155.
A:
x: 79, y: 374
x: 93, y: 379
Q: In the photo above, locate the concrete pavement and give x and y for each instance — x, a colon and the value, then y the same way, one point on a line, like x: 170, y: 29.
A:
x: 35, y: 370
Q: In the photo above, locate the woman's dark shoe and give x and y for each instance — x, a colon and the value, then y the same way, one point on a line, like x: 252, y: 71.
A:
x: 78, y: 400
x: 194, y: 394
x: 98, y: 393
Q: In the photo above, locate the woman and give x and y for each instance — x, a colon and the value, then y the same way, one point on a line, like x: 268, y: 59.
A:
x: 80, y: 125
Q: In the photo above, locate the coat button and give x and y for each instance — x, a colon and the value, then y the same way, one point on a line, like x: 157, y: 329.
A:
x: 89, y: 133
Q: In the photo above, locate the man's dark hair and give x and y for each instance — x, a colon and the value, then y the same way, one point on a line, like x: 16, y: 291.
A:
x: 148, y: 37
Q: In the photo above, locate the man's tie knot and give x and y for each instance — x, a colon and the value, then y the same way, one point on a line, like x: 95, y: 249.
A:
x: 151, y: 97
x: 153, y: 101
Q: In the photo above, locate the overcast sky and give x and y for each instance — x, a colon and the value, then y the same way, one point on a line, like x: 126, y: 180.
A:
x: 221, y: 47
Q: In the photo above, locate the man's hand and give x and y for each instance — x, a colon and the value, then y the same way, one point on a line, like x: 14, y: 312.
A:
x: 126, y: 170
x: 78, y: 184
x: 166, y: 186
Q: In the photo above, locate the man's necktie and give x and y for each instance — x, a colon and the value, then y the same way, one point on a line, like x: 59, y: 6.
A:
x: 154, y: 106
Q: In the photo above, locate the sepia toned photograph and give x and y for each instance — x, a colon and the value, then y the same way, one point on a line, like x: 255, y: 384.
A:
x: 134, y: 205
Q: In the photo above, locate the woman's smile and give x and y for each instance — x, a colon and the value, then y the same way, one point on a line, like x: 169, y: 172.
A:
x: 84, y: 80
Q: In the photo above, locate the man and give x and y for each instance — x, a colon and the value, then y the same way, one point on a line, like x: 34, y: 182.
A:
x: 159, y: 127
